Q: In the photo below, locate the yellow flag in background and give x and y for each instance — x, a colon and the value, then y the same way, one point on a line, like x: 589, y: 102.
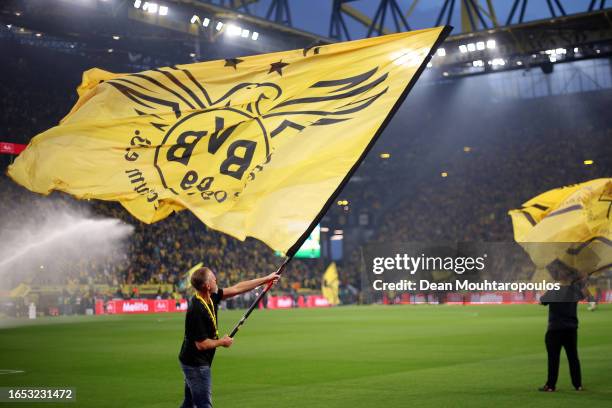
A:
x: 571, y: 225
x: 187, y: 279
x: 253, y: 146
x: 330, y: 284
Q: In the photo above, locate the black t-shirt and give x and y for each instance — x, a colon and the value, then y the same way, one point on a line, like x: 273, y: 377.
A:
x: 199, y: 326
x: 562, y: 307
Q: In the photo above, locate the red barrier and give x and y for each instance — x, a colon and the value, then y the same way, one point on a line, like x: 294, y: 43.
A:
x: 140, y: 306
x: 316, y: 301
x: 486, y: 298
x: 279, y: 302
x: 287, y: 302
x: 11, y: 148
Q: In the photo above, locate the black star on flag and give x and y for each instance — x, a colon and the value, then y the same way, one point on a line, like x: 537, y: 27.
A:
x: 232, y: 62
x: 277, y: 67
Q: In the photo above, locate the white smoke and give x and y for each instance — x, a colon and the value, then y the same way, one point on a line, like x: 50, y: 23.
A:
x: 48, y: 241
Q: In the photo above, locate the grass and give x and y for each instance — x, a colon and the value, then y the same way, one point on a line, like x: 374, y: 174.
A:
x: 395, y: 356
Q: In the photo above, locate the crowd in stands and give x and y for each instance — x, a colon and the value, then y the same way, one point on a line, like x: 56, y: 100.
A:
x: 455, y: 182
x: 445, y: 181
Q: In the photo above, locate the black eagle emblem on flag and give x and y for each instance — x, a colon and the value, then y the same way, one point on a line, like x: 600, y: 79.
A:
x: 236, y: 129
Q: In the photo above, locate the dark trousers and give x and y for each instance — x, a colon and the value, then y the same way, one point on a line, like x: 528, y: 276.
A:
x: 197, y: 387
x: 568, y: 339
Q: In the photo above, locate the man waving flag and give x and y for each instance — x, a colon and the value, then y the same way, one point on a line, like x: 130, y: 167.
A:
x: 568, y: 228
x: 254, y: 146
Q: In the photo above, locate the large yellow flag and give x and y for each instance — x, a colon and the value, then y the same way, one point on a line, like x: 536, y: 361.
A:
x: 570, y: 226
x: 254, y: 146
x: 330, y: 284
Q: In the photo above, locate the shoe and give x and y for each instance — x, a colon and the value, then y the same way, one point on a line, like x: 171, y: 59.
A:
x: 579, y: 388
x: 547, y: 388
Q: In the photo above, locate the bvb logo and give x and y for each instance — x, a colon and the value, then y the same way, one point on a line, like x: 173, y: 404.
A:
x: 209, y: 152
x: 213, y: 152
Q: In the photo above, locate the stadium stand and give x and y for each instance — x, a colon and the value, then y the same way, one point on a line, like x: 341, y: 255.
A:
x: 490, y: 164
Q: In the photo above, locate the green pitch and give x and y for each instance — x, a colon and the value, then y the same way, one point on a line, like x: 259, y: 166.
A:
x: 371, y: 356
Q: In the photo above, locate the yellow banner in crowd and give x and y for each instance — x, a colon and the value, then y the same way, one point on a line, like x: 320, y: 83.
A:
x: 253, y: 146
x: 571, y: 225
x: 330, y: 284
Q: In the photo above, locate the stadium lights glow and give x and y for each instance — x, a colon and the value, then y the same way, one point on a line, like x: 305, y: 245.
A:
x: 324, y: 229
x: 245, y: 33
x: 255, y: 36
x: 116, y: 37
x: 219, y: 26
x: 18, y: 13
x: 519, y: 63
x: 588, y: 162
x: 557, y: 51
x: 38, y: 34
x: 9, y: 26
x: 497, y: 62
x: 478, y: 63
x: 445, y: 73
x: 444, y: 174
x: 194, y: 19
x: 192, y: 55
x: 150, y: 7
x: 441, y: 52
x: 478, y: 46
x: 576, y: 50
x: 206, y: 22
x: 110, y: 50
x: 467, y: 149
x: 233, y: 30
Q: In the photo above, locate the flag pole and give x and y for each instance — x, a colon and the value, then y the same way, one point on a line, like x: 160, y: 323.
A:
x: 279, y: 271
x: 291, y: 252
